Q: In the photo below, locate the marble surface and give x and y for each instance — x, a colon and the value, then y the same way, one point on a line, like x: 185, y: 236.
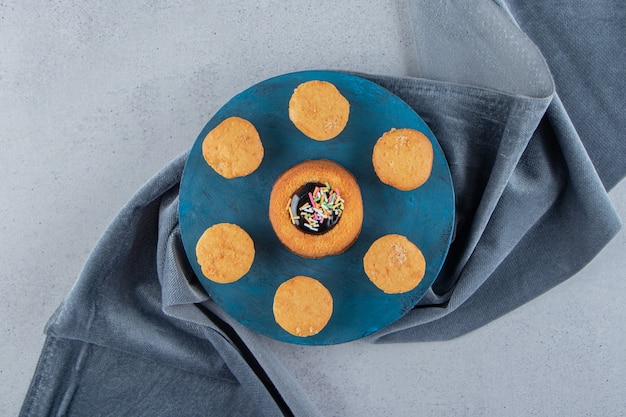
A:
x: 95, y: 97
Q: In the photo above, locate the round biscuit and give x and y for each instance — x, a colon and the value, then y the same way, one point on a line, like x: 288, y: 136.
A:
x: 233, y: 148
x: 403, y: 158
x: 225, y: 253
x: 394, y: 264
x: 319, y: 110
x: 302, y: 306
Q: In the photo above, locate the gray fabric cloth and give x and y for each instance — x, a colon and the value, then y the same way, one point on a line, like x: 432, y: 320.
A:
x: 137, y: 335
x: 584, y: 44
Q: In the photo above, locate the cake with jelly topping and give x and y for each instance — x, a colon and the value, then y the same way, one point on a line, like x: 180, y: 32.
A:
x: 316, y: 208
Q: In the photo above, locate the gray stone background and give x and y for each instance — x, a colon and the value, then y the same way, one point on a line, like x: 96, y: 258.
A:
x: 95, y: 97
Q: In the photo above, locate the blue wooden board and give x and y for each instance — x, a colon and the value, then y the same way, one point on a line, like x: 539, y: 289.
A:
x: 425, y: 215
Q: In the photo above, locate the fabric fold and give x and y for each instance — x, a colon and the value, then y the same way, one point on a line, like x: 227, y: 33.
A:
x: 551, y: 220
x: 584, y: 45
x: 114, y: 320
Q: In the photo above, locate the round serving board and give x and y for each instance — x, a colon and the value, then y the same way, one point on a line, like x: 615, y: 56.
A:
x: 425, y: 215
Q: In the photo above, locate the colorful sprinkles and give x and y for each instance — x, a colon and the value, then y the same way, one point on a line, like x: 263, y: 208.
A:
x: 315, y: 208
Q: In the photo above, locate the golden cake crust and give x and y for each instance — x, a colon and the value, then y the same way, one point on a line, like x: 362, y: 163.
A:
x: 403, y: 158
x: 337, y: 239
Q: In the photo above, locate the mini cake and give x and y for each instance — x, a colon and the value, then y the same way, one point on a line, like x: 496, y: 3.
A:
x: 316, y: 208
x: 403, y: 158
x: 319, y: 110
x: 233, y: 148
x: 394, y: 264
x: 225, y: 253
x: 302, y: 306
